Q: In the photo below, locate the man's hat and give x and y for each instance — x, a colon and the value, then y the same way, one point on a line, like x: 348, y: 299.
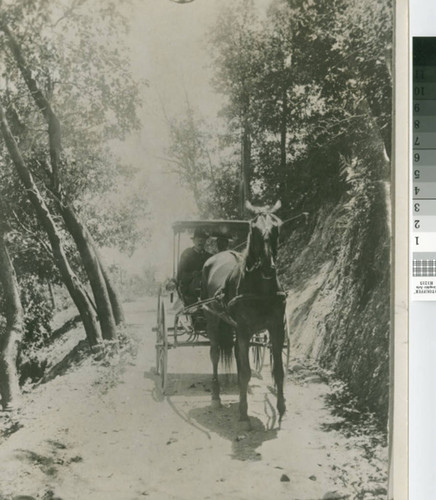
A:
x: 200, y: 233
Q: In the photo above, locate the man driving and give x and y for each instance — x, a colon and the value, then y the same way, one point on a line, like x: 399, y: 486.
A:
x: 190, y: 267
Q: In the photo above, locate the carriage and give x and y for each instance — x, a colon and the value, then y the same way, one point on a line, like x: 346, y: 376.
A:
x: 188, y: 328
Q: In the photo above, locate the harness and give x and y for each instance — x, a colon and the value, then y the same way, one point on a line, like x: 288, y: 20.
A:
x: 281, y: 296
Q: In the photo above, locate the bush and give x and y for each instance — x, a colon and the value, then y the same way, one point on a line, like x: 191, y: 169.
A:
x: 38, y: 311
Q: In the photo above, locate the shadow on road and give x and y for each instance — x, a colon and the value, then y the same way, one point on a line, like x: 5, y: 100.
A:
x: 225, y: 422
x: 194, y: 384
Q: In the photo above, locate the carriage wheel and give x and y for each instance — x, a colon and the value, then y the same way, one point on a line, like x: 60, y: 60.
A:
x: 158, y: 328
x: 162, y: 348
x: 258, y: 352
x: 285, y: 355
x: 286, y: 352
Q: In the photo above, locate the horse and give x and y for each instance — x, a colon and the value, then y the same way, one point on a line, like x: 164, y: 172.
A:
x: 249, y: 299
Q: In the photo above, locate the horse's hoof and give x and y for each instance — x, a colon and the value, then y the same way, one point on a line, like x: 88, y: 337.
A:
x: 216, y: 403
x: 245, y: 425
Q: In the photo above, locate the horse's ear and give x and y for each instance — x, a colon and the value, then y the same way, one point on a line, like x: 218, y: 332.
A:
x: 276, y: 207
x: 250, y: 207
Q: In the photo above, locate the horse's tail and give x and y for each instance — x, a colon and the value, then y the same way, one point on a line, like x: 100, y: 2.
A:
x: 225, y: 343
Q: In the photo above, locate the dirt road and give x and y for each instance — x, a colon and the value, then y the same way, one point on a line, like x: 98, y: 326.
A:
x: 104, y: 432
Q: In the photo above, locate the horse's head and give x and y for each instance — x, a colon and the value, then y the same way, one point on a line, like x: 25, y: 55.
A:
x: 263, y: 240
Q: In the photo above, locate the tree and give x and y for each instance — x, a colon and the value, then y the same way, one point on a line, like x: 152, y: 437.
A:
x: 71, y: 281
x: 319, y: 89
x: 75, y: 72
x: 237, y: 50
x: 205, y: 165
x: 73, y: 223
x: 12, y: 335
x: 189, y: 155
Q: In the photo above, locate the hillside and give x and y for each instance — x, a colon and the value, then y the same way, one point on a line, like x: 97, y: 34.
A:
x: 337, y: 272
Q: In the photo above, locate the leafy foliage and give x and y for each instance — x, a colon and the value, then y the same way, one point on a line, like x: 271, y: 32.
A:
x: 311, y: 82
x: 38, y: 311
x: 204, y: 165
x: 119, y: 217
x: 81, y: 63
x: 78, y: 58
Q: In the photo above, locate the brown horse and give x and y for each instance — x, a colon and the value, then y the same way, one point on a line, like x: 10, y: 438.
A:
x: 252, y: 301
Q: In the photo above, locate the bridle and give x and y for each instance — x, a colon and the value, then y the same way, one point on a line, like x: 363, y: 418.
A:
x: 260, y: 261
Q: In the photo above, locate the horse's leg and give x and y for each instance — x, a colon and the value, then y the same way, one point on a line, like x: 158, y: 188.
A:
x: 215, y: 356
x: 244, y: 373
x: 277, y: 335
x: 237, y: 357
x: 212, y: 332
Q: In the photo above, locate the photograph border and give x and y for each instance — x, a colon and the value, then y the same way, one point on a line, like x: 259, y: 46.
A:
x: 399, y: 446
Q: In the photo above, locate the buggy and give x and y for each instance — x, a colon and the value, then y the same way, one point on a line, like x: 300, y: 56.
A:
x: 189, y: 325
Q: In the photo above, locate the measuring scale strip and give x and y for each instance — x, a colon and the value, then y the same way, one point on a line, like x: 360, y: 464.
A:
x: 423, y: 171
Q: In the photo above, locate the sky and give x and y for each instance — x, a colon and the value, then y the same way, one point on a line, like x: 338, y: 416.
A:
x: 169, y: 50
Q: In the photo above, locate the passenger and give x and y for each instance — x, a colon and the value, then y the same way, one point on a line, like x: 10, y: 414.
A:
x: 190, y: 267
x: 222, y: 243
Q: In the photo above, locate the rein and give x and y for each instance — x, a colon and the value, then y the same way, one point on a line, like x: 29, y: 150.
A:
x: 255, y: 266
x: 303, y: 214
x: 255, y: 296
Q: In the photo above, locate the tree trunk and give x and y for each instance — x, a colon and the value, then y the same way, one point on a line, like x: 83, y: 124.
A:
x: 117, y: 306
x: 114, y: 296
x: 69, y: 278
x: 283, y: 186
x: 245, y: 166
x: 90, y: 260
x: 52, y: 297
x: 10, y: 339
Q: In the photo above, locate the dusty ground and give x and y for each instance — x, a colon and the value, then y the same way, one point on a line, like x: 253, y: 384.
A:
x: 104, y: 432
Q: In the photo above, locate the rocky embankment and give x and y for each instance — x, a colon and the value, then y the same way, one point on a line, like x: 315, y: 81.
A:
x: 339, y: 294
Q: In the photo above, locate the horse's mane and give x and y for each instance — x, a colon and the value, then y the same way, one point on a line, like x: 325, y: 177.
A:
x: 247, y: 254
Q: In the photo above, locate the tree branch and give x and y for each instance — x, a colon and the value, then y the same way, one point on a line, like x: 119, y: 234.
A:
x: 33, y: 235
x: 54, y: 128
x: 69, y: 11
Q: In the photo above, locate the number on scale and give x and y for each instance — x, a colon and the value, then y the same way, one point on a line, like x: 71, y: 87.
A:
x: 418, y: 91
x: 417, y: 107
x: 416, y: 157
x: 417, y: 141
x: 416, y: 124
x: 417, y: 207
x: 417, y: 224
x: 417, y: 174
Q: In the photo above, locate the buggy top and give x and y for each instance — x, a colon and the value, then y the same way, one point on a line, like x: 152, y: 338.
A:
x: 237, y: 229
x: 213, y: 227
